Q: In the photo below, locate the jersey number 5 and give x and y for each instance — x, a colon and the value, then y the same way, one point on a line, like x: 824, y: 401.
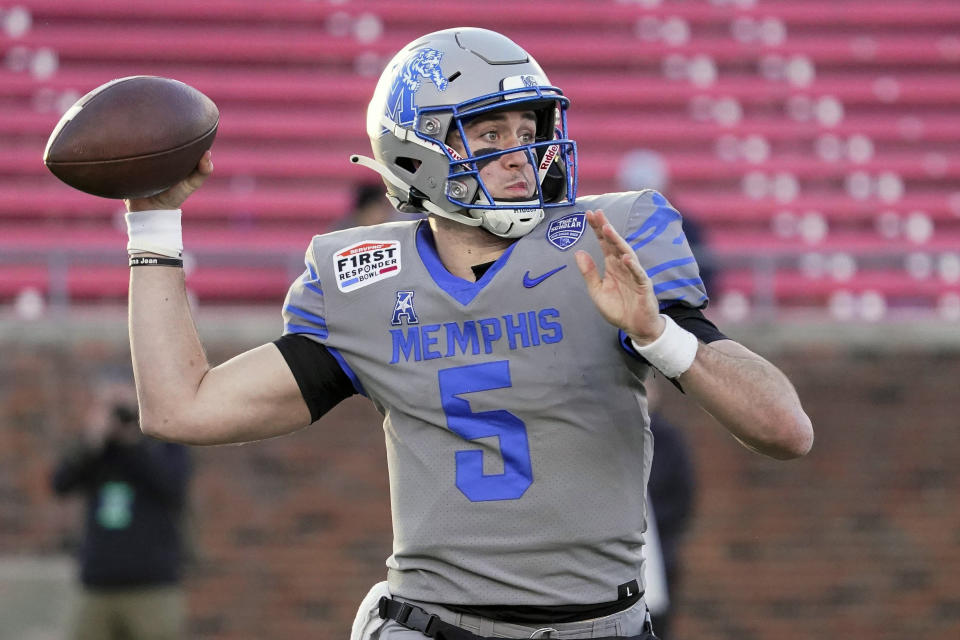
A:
x: 517, y: 473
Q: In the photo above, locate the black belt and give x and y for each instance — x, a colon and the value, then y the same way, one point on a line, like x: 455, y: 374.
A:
x: 429, y: 624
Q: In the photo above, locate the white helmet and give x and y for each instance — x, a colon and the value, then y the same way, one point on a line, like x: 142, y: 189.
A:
x: 432, y: 87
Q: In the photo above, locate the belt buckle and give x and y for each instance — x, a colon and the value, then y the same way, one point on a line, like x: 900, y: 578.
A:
x: 418, y: 619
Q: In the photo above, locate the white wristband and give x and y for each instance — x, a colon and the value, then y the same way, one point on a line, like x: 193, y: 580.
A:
x: 673, y: 352
x: 156, y: 231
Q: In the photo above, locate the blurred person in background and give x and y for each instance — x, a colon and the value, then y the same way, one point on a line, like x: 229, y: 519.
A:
x: 671, y: 492
x: 369, y: 207
x: 132, y: 550
x: 509, y: 368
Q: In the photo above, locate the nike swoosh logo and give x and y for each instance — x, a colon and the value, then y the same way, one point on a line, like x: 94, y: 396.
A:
x: 529, y: 282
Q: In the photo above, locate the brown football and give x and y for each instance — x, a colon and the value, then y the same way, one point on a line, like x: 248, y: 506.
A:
x: 132, y: 138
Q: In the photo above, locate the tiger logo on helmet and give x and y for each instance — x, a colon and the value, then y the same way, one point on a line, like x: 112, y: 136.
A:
x: 423, y: 65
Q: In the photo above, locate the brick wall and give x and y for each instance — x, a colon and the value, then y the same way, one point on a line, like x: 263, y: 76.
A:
x: 861, y: 539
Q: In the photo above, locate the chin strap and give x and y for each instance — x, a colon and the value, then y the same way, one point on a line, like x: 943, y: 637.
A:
x: 507, y: 223
x: 396, y: 181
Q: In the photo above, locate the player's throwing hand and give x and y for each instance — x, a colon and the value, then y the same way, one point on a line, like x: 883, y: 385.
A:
x: 623, y: 294
x: 175, y: 196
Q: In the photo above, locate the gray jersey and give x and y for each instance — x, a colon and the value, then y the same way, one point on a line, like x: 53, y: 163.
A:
x: 516, y: 425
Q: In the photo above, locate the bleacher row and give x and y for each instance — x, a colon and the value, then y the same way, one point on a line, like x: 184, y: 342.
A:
x: 843, y: 114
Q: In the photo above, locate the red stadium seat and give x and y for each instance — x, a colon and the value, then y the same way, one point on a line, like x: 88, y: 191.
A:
x: 528, y: 15
x: 793, y: 289
x: 293, y: 78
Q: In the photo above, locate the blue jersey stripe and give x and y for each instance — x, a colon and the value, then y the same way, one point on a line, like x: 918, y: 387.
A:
x: 676, y: 284
x: 656, y: 224
x: 299, y: 328
x: 306, y: 315
x: 347, y: 370
x: 310, y: 280
x: 628, y: 347
x: 669, y: 264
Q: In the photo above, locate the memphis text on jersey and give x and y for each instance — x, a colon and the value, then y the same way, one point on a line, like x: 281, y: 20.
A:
x: 472, y: 337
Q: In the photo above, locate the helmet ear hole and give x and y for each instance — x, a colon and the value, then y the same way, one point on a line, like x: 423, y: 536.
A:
x: 410, y: 165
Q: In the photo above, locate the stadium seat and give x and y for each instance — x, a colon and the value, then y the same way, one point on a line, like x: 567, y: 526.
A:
x: 834, y: 131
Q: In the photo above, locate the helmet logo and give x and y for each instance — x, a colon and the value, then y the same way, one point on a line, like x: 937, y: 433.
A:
x: 529, y: 81
x: 425, y: 63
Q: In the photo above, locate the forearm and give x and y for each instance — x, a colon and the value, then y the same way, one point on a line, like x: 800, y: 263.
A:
x: 751, y: 398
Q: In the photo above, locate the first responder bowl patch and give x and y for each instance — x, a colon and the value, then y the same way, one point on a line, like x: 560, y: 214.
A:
x: 366, y: 262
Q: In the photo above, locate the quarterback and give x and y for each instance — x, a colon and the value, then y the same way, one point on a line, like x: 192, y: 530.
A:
x: 506, y: 339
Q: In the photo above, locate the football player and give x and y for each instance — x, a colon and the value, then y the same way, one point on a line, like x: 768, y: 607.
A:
x: 506, y: 340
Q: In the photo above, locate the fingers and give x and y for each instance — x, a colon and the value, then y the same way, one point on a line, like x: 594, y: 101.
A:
x: 204, y: 167
x: 588, y: 269
x: 174, y: 197
x: 199, y: 175
x: 633, y: 266
x: 610, y: 240
x: 597, y: 220
x: 206, y: 163
x: 616, y: 250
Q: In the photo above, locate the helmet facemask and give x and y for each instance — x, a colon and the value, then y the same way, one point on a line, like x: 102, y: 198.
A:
x: 551, y: 157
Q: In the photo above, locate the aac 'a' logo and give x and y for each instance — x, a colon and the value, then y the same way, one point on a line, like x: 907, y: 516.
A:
x: 366, y: 262
x: 422, y: 65
x: 564, y: 232
x: 403, y: 309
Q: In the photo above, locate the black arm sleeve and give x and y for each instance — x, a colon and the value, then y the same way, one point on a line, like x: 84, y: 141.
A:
x: 322, y: 381
x: 695, y: 322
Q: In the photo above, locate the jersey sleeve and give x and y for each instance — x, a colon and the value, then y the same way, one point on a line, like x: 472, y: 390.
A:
x: 303, y: 308
x: 654, y: 229
x: 304, y: 312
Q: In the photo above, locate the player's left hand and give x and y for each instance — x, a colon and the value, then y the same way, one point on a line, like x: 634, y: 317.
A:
x: 623, y: 294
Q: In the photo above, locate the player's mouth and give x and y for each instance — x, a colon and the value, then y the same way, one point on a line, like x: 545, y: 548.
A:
x: 520, y: 188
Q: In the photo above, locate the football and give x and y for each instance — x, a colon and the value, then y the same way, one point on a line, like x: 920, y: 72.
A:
x: 132, y: 138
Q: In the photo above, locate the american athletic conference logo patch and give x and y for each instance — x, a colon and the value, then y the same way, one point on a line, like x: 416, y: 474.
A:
x: 366, y: 262
x: 564, y: 232
x: 403, y: 309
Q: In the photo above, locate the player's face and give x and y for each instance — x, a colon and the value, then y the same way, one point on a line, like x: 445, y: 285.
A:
x: 510, y: 176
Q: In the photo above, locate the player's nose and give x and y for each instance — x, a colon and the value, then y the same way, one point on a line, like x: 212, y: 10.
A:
x: 515, y: 159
